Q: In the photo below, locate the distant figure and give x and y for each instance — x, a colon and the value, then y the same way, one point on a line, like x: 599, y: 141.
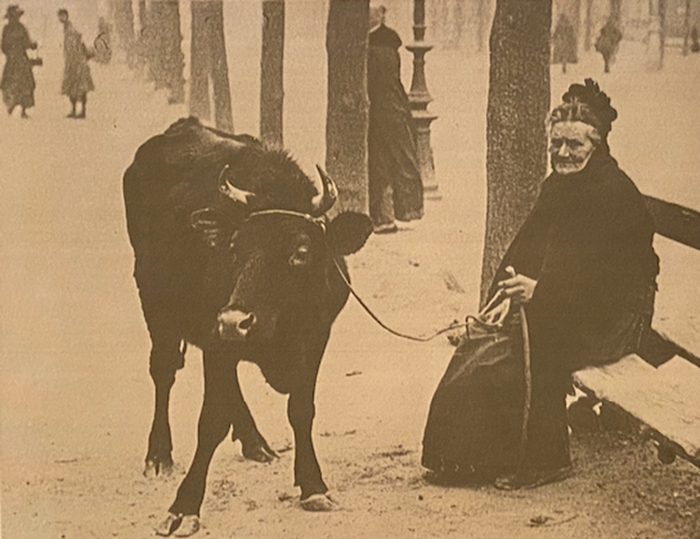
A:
x: 608, y: 42
x: 395, y: 186
x: 77, y: 81
x: 103, y: 42
x: 695, y: 44
x: 564, y: 43
x: 17, y: 78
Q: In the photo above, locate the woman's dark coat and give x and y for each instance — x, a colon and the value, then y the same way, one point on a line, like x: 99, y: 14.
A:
x: 588, y: 244
x: 17, y: 78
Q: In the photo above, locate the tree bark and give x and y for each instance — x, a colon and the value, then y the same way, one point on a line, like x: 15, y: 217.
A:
x: 123, y: 16
x: 272, y: 74
x: 662, y: 36
x: 518, y: 103
x: 166, y: 59
x: 209, y: 65
x: 616, y: 10
x: 686, y: 29
x: 656, y: 34
x: 575, y: 19
x: 460, y: 21
x: 348, y: 106
x: 482, y: 14
x: 588, y: 40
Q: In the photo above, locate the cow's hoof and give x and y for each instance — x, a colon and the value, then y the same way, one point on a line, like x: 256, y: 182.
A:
x: 168, y: 525
x: 188, y: 526
x: 155, y: 467
x: 259, y: 452
x: 319, y: 502
x: 178, y: 525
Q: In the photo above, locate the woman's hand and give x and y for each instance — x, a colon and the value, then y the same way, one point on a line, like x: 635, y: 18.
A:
x: 33, y: 45
x: 518, y: 287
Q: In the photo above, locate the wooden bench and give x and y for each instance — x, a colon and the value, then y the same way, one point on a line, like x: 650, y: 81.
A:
x: 662, y: 390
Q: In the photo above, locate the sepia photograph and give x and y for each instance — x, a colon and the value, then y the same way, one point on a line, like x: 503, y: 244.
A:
x: 394, y: 269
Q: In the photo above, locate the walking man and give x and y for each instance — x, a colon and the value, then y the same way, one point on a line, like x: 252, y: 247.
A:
x: 77, y: 81
x: 395, y: 187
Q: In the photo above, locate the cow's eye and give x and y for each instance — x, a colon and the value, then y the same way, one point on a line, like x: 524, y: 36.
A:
x: 300, y: 257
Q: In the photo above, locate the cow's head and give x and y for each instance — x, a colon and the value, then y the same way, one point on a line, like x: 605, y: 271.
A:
x: 286, y: 277
x: 285, y: 267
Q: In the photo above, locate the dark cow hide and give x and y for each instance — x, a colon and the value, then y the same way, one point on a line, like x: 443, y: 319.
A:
x: 234, y: 254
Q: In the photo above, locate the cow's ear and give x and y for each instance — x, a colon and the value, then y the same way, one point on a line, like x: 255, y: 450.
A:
x: 349, y: 232
x: 212, y: 226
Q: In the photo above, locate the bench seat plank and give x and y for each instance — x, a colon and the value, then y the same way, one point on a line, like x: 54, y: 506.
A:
x: 666, y: 399
x: 677, y: 310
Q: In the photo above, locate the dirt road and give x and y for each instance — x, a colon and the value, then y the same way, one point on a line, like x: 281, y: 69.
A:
x: 76, y: 396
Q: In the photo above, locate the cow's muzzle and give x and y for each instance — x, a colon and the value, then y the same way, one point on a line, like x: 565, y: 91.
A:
x: 234, y: 325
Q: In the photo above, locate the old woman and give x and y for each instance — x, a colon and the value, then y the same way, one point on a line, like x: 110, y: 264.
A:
x: 585, y: 271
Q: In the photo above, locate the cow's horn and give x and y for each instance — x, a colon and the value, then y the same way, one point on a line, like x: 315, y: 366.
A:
x: 231, y: 191
x: 324, y: 201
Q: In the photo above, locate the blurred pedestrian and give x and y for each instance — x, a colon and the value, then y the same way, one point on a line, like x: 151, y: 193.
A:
x: 17, y: 78
x: 564, y: 43
x: 694, y: 42
x: 395, y: 186
x: 77, y: 80
x: 103, y: 42
x: 608, y: 42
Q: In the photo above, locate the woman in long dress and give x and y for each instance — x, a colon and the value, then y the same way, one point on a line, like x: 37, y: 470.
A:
x: 17, y: 78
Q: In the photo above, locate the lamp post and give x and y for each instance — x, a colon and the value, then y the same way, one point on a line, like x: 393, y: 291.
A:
x: 419, y: 98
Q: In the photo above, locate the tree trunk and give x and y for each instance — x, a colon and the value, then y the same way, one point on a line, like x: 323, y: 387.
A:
x: 575, y: 19
x: 686, y: 29
x: 588, y: 40
x: 616, y: 11
x: 348, y: 106
x: 123, y: 17
x: 209, y: 65
x: 166, y: 59
x: 272, y: 73
x: 662, y: 35
x: 482, y: 15
x: 459, y: 21
x: 143, y: 46
x: 518, y: 104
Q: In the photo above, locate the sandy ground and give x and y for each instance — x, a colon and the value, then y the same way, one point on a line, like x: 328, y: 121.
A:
x: 76, y: 399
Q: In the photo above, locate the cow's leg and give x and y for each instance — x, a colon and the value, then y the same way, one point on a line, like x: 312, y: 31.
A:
x: 166, y: 358
x: 253, y: 445
x: 301, y: 410
x: 215, y: 421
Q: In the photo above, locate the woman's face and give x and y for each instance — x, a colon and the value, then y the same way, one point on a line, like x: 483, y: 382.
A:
x: 571, y: 145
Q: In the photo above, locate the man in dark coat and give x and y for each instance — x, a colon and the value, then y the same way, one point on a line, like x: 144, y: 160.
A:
x: 395, y: 186
x: 17, y: 78
x: 586, y: 273
x: 77, y: 80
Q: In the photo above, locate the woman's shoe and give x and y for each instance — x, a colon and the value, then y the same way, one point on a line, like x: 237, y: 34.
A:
x: 532, y: 478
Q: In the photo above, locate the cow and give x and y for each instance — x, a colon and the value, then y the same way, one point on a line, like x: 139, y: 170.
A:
x: 234, y: 254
